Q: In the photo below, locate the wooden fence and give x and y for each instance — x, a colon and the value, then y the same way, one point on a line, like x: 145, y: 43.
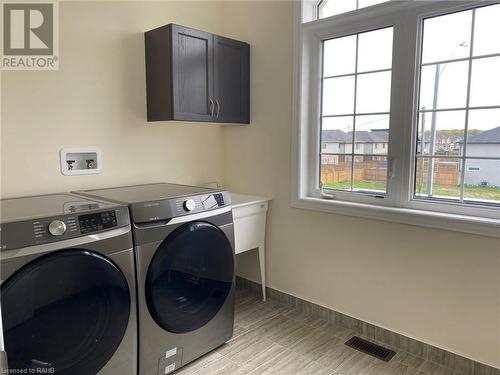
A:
x: 367, y: 170
x: 445, y: 173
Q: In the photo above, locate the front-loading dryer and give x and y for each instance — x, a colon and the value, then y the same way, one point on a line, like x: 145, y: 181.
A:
x: 183, y: 237
x: 68, y: 292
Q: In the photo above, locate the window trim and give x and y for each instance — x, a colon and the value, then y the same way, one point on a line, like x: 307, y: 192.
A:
x: 399, y: 205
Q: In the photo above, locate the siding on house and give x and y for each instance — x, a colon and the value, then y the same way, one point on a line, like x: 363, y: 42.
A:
x: 366, y: 142
x: 479, y: 171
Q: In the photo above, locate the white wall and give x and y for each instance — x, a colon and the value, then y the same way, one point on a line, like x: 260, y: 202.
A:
x: 97, y: 98
x: 437, y: 286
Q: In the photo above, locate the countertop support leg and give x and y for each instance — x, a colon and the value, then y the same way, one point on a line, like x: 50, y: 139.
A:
x: 262, y: 262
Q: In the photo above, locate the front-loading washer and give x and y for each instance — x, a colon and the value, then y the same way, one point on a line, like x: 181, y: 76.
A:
x: 68, y: 292
x: 183, y: 237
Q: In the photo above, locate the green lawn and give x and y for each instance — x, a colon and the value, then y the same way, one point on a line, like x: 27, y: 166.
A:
x: 471, y: 192
x: 482, y: 192
x: 358, y: 184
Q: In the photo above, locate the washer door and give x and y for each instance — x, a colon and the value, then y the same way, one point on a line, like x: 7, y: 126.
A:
x: 189, y: 277
x: 65, y: 312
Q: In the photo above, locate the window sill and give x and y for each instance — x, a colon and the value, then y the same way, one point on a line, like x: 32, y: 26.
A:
x: 438, y: 220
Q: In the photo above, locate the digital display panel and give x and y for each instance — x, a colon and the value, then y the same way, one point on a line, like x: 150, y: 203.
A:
x: 219, y: 198
x: 96, y: 222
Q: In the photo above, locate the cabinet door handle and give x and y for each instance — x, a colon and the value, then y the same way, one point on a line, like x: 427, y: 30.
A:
x: 211, y: 107
x: 218, y: 108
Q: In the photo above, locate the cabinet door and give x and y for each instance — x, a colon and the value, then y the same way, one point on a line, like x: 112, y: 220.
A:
x: 231, y: 80
x: 192, y: 74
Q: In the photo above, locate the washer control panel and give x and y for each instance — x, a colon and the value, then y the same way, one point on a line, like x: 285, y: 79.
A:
x: 44, y: 230
x: 57, y: 228
x: 97, y: 222
x: 70, y: 226
x: 18, y: 234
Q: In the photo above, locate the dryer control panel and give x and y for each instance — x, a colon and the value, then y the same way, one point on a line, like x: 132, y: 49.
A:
x: 198, y: 203
x: 180, y: 206
x: 213, y: 201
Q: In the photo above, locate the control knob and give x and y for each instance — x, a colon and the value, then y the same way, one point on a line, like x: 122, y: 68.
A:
x: 57, y: 228
x: 189, y: 205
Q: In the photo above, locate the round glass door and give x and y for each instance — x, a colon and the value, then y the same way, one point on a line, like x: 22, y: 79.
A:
x: 189, y: 277
x: 64, y: 313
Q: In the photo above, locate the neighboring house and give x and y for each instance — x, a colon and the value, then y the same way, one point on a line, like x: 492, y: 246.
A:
x: 483, y: 171
x: 374, y: 142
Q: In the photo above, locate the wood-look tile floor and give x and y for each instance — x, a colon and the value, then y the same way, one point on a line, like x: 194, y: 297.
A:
x: 270, y: 338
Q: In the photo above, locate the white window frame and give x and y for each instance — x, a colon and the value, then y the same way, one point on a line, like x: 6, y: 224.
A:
x: 406, y: 17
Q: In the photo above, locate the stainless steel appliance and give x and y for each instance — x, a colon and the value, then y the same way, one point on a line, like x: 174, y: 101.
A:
x: 183, y: 237
x: 68, y: 292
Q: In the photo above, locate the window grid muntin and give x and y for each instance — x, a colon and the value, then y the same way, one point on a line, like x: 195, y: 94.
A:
x: 463, y: 157
x: 455, y: 109
x: 353, y: 148
x: 322, y: 2
x: 356, y: 154
x: 358, y: 114
x: 457, y: 157
x: 461, y: 59
x: 359, y: 73
x: 353, y: 154
x: 467, y: 103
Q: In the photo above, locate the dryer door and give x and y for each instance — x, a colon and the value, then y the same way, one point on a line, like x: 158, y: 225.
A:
x: 64, y: 313
x: 189, y: 277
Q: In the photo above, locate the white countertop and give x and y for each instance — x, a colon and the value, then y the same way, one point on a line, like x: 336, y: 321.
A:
x: 240, y: 200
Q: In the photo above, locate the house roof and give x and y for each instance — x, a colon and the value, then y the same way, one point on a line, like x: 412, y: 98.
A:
x: 489, y: 136
x: 363, y: 136
x: 335, y: 136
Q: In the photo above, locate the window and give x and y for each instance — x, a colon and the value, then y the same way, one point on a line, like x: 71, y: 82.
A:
x: 459, y: 109
x: 356, y: 91
x: 327, y: 8
x: 406, y: 96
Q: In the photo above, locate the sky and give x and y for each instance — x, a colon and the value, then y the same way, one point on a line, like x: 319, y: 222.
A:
x: 445, y: 38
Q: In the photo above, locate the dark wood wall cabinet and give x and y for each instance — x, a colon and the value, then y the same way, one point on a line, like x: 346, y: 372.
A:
x: 192, y: 75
